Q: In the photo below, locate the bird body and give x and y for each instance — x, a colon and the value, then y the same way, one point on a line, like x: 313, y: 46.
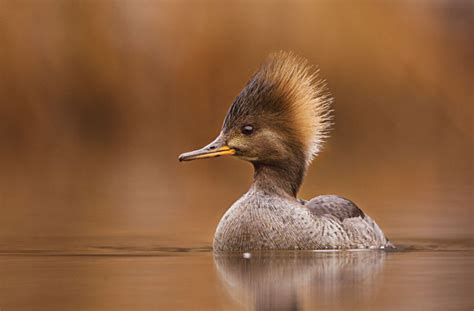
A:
x: 278, y: 123
x: 267, y: 222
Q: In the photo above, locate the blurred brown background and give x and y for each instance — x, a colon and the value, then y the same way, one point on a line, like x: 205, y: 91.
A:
x: 98, y: 98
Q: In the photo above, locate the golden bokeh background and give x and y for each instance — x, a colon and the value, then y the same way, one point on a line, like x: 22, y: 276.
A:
x: 98, y: 98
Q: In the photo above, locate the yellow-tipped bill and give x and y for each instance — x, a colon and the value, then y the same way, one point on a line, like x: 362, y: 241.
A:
x: 209, y: 151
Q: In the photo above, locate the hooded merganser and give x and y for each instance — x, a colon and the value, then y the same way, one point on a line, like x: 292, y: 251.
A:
x: 278, y: 123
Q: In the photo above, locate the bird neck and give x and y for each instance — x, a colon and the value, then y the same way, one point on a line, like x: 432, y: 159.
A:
x: 282, y: 179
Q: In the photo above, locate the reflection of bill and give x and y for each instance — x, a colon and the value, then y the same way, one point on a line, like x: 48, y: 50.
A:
x: 283, y: 280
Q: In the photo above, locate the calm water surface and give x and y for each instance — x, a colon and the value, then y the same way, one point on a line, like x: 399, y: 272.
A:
x: 422, y: 275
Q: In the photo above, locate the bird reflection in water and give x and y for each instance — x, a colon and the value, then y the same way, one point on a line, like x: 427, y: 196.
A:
x: 289, y: 280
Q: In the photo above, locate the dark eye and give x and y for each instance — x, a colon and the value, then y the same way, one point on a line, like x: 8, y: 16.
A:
x: 247, y: 130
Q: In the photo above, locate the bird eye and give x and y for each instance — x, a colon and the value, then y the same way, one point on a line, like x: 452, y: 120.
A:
x: 247, y: 130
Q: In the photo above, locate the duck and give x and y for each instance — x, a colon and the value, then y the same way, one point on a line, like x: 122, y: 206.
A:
x: 278, y: 123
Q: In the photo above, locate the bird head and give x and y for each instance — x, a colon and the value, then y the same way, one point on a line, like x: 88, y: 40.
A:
x: 280, y: 117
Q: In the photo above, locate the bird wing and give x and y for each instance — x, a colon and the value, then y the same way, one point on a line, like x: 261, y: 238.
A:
x: 360, y: 228
x: 334, y: 205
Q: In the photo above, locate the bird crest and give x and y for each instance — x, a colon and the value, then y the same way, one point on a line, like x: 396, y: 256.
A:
x: 286, y: 90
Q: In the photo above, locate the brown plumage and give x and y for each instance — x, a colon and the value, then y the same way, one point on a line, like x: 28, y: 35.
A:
x: 287, y: 93
x: 278, y: 123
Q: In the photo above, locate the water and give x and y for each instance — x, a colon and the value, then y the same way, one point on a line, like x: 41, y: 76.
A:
x: 94, y: 275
